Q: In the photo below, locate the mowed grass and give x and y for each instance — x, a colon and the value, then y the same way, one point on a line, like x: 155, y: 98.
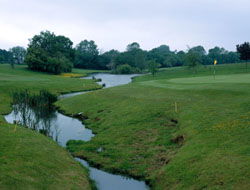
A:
x: 21, y: 78
x: 29, y: 160
x: 136, y: 128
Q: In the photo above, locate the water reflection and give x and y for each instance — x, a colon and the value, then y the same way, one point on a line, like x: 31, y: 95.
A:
x: 57, y: 126
x: 38, y: 117
x: 108, y: 181
x: 37, y: 112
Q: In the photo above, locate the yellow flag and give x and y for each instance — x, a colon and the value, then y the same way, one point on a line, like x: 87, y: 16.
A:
x: 215, y: 62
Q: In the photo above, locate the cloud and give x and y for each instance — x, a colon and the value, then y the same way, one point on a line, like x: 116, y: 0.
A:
x: 115, y: 23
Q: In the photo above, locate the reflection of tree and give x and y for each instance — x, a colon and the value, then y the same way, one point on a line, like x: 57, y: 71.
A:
x: 36, y: 112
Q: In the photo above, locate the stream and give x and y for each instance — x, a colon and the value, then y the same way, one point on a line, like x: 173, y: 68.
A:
x: 63, y: 128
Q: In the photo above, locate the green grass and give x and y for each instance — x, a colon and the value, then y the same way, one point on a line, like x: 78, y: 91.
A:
x: 29, y: 160
x: 21, y: 78
x: 135, y: 128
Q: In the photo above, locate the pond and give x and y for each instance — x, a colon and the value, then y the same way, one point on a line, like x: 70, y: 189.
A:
x: 64, y: 128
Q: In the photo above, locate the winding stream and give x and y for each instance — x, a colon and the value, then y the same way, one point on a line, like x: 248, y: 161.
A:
x: 63, y: 128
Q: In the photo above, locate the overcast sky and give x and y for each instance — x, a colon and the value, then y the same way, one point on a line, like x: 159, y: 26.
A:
x: 113, y: 24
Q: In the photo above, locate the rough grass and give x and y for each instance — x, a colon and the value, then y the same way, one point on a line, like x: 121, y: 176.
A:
x: 29, y: 160
x: 136, y: 127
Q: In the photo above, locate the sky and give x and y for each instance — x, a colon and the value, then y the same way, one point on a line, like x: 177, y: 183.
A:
x: 113, y: 24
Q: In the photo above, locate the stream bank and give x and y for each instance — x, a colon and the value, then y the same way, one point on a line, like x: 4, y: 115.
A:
x: 64, y: 128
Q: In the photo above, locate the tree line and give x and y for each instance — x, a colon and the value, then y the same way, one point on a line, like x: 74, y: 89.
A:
x: 13, y: 56
x: 52, y: 53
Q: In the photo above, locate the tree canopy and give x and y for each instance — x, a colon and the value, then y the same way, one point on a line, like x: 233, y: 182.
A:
x: 50, y: 53
x: 5, y: 56
x: 244, y: 51
x: 18, y: 54
x: 86, y: 55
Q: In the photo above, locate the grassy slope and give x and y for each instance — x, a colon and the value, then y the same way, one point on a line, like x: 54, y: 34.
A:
x: 21, y: 78
x: 133, y: 125
x: 29, y: 160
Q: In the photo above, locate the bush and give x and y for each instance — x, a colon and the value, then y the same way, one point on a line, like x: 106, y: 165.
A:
x: 124, y: 69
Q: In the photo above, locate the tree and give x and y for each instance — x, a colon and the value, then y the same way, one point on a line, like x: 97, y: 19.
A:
x: 5, y: 56
x: 159, y: 54
x: 133, y: 46
x: 50, y: 53
x: 244, y: 51
x: 110, y: 56
x: 152, y: 67
x: 86, y: 55
x: 193, y: 59
x: 18, y: 54
x: 200, y: 50
x: 134, y: 57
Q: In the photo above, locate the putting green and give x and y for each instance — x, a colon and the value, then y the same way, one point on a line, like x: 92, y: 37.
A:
x: 206, y: 82
x: 235, y: 78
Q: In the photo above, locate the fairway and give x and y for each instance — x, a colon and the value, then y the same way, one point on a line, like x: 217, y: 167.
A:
x: 137, y: 126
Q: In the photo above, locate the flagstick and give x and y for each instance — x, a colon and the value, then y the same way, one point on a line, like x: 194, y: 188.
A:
x: 214, y: 71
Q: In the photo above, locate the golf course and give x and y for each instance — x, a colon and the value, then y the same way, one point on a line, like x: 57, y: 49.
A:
x: 124, y: 95
x: 174, y: 130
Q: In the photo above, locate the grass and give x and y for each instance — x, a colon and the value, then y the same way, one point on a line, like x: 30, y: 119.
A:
x: 29, y: 160
x: 138, y: 126
x: 21, y: 78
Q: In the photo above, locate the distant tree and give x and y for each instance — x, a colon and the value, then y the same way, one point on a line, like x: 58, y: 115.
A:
x: 134, y: 56
x: 159, y: 54
x: 192, y: 60
x: 232, y: 57
x: 244, y: 51
x: 222, y: 56
x: 50, y: 53
x: 86, y: 55
x: 18, y: 54
x: 171, y: 60
x: 133, y: 46
x: 5, y: 56
x: 152, y: 67
x: 201, y: 53
x: 139, y: 59
x: 109, y: 57
x: 200, y: 50
x: 181, y: 58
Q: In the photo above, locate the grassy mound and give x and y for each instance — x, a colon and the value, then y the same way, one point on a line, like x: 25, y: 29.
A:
x: 29, y: 160
x: 176, y: 130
